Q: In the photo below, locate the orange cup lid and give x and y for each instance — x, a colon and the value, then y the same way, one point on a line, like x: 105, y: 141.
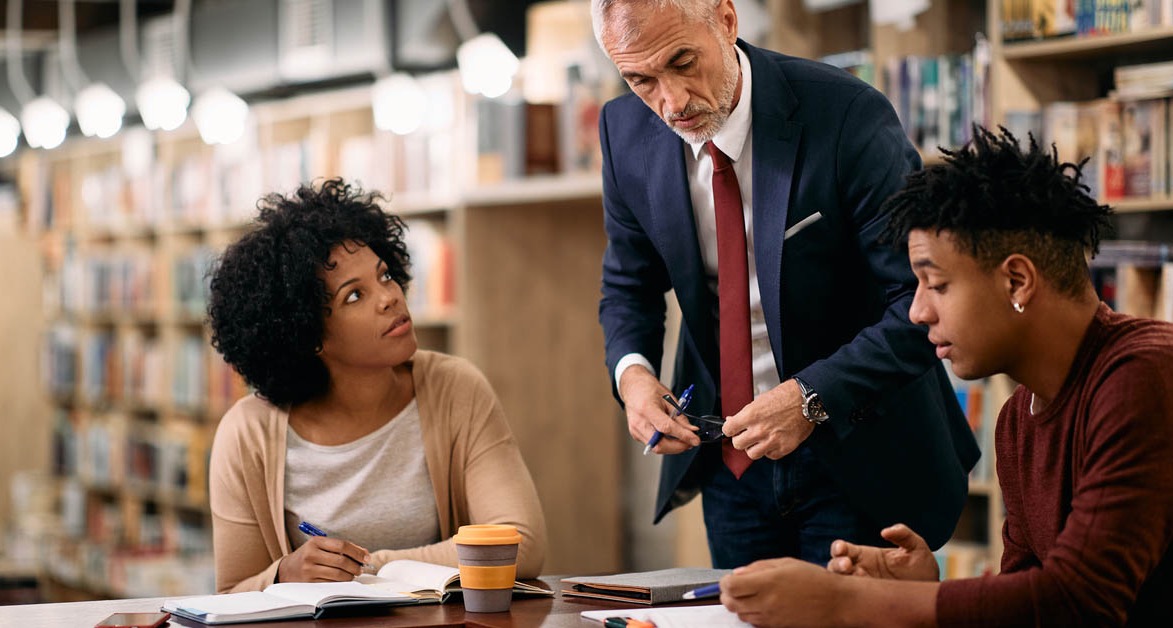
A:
x: 488, y: 534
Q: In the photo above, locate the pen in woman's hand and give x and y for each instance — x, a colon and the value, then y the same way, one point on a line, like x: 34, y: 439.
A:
x: 314, y: 530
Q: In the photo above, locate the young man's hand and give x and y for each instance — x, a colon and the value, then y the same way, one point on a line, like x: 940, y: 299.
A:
x: 911, y: 559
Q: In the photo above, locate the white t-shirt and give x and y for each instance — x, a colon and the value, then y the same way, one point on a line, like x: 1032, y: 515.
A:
x: 374, y: 491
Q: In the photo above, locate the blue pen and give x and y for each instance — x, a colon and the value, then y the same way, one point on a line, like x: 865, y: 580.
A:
x: 310, y: 529
x: 709, y: 590
x: 314, y: 530
x: 685, y: 397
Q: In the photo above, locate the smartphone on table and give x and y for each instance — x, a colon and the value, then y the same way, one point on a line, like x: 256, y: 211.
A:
x: 134, y: 620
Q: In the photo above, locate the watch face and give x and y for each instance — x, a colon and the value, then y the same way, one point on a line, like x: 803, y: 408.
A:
x: 813, y: 410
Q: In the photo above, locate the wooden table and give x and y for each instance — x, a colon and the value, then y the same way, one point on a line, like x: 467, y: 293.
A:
x: 525, y: 612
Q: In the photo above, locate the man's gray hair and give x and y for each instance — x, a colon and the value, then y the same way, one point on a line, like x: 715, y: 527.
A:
x: 693, y: 10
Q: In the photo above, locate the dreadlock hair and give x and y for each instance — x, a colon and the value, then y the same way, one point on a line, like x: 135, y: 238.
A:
x: 997, y: 200
x: 268, y: 299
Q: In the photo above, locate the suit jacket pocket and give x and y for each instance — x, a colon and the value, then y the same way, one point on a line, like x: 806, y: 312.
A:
x: 802, y: 224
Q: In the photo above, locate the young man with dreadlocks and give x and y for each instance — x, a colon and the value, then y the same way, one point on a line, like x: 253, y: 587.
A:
x: 999, y: 239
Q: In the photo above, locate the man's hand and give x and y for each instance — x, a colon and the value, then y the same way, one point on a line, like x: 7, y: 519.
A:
x: 643, y: 396
x: 911, y: 559
x: 323, y: 559
x: 783, y: 592
x: 771, y: 425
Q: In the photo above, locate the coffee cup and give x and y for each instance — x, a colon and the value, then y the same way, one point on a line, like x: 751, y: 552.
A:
x: 487, y: 557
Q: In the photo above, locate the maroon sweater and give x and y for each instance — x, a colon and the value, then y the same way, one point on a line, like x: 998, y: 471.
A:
x: 1088, y: 484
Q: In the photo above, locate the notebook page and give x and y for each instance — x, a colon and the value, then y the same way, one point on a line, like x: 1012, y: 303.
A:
x: 236, y: 603
x: 319, y: 593
x: 714, y: 616
x: 420, y: 575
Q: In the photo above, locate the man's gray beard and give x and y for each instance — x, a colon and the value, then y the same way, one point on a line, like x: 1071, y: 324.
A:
x: 709, y: 132
x: 724, y: 100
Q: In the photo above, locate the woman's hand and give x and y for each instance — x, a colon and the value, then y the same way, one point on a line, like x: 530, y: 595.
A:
x: 911, y: 559
x: 323, y: 559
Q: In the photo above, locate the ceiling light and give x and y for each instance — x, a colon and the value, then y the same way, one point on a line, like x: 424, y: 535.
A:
x: 162, y: 103
x: 44, y: 122
x: 9, y: 133
x: 487, y: 66
x: 99, y: 110
x: 220, y: 116
x: 399, y: 104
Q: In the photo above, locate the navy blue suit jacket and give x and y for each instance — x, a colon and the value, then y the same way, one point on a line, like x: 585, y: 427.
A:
x: 835, y: 299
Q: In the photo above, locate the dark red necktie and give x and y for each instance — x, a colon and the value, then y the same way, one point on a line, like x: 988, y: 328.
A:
x: 733, y: 302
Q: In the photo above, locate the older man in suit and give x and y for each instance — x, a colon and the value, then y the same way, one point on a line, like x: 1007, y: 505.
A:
x: 750, y: 183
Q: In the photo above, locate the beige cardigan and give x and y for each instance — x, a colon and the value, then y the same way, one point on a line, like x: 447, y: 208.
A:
x: 477, y: 473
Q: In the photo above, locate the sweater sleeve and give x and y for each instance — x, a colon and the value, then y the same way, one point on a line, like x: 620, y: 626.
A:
x: 242, y: 561
x: 499, y: 488
x: 1120, y: 523
x: 1016, y: 556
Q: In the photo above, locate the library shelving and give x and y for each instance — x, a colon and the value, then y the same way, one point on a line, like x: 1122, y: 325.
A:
x: 505, y: 273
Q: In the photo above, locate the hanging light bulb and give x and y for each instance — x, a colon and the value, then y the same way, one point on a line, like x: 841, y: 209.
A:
x: 162, y: 103
x: 399, y: 104
x: 220, y: 116
x: 44, y: 122
x: 99, y: 110
x: 9, y: 133
x: 487, y: 66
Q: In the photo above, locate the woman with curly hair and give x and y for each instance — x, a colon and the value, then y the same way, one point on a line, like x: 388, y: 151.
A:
x: 351, y: 427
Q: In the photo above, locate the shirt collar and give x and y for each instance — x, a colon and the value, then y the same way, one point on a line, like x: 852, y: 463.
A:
x: 731, y: 138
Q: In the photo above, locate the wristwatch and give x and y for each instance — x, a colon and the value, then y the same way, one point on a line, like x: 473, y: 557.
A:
x: 812, y: 405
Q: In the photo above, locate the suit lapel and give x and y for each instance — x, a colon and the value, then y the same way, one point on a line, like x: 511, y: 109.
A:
x: 675, y: 234
x: 775, y: 149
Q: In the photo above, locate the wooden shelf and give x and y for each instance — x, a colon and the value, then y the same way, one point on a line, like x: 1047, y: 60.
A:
x: 150, y: 232
x: 528, y: 191
x: 1139, y: 205
x: 1075, y: 48
x: 537, y: 190
x: 419, y: 204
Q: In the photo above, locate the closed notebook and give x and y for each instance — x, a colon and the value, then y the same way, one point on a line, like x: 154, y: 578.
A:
x: 648, y: 587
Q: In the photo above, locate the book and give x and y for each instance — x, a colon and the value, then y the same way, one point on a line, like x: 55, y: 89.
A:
x: 648, y: 587
x: 399, y: 582
x: 284, y: 600
x: 708, y: 616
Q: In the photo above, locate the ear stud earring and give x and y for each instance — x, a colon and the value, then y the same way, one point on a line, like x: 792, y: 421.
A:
x: 1018, y: 307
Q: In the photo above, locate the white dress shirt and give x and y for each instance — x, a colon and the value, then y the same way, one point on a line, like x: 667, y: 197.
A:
x: 736, y: 141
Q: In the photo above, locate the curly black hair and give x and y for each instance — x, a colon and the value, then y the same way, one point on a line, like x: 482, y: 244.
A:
x: 997, y: 199
x: 268, y: 298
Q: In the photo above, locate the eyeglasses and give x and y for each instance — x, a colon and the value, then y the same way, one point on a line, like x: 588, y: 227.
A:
x: 710, y: 425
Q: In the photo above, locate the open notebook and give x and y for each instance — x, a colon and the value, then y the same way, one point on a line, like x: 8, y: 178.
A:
x: 398, y: 582
x: 429, y: 582
x: 285, y: 600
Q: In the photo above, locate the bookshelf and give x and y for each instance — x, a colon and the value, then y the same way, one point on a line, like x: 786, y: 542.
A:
x: 506, y: 274
x: 1156, y: 39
